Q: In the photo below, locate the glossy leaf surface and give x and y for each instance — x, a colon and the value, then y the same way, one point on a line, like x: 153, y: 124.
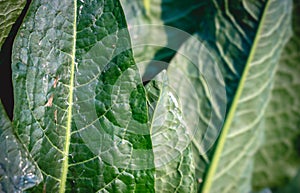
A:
x: 81, y: 107
x: 241, y: 136
x: 91, y: 124
x: 173, y: 156
x: 17, y: 170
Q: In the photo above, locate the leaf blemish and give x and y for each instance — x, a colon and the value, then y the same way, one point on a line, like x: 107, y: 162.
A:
x: 55, y: 82
x: 200, y: 180
x: 44, y: 188
x: 50, y: 100
x: 55, y: 116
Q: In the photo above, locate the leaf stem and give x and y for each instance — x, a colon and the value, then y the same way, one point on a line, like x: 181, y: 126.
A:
x: 147, y: 6
x: 65, y: 165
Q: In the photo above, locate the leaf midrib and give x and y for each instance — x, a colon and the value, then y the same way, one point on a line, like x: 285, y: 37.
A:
x: 229, y: 119
x: 147, y: 5
x: 65, y: 164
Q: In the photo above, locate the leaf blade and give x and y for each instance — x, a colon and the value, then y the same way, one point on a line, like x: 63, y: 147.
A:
x: 10, y: 11
x: 49, y: 69
x: 277, y: 160
x: 173, y: 156
x: 230, y: 129
x: 17, y: 171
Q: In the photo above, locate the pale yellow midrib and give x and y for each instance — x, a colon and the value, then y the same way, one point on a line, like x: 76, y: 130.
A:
x: 65, y: 164
x: 229, y: 119
x: 147, y: 5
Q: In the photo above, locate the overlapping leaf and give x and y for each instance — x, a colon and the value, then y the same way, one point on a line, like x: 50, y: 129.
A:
x: 239, y: 45
x: 48, y: 70
x: 278, y: 159
x: 199, y: 84
x: 86, y: 119
x: 232, y: 162
x: 81, y: 107
x: 17, y: 171
x: 10, y: 11
x: 184, y: 15
x: 171, y: 142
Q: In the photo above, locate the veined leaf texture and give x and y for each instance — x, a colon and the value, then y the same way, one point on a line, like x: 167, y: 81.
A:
x: 151, y: 96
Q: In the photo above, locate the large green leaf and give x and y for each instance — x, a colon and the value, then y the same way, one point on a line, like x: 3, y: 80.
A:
x: 171, y: 145
x: 54, y: 65
x: 242, y: 52
x: 234, y: 32
x: 10, y: 11
x: 81, y: 108
x: 199, y: 84
x: 278, y: 159
x: 244, y: 46
x: 232, y: 160
x: 17, y: 170
x: 86, y: 119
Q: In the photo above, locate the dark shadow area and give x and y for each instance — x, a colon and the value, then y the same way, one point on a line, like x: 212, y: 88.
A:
x: 6, y: 87
x: 185, y: 21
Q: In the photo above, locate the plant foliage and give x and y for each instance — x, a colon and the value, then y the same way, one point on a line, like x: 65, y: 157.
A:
x: 152, y: 96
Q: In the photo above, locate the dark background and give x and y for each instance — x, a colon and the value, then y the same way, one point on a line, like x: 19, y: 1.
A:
x: 6, y: 89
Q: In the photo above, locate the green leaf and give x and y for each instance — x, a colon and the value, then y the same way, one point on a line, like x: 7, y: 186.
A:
x: 198, y: 82
x: 10, y: 11
x: 183, y: 15
x: 171, y: 145
x: 58, y: 73
x: 81, y: 108
x: 17, y: 170
x: 237, y: 44
x: 231, y: 32
x: 232, y: 162
x: 86, y: 119
x: 291, y: 187
x: 278, y: 159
